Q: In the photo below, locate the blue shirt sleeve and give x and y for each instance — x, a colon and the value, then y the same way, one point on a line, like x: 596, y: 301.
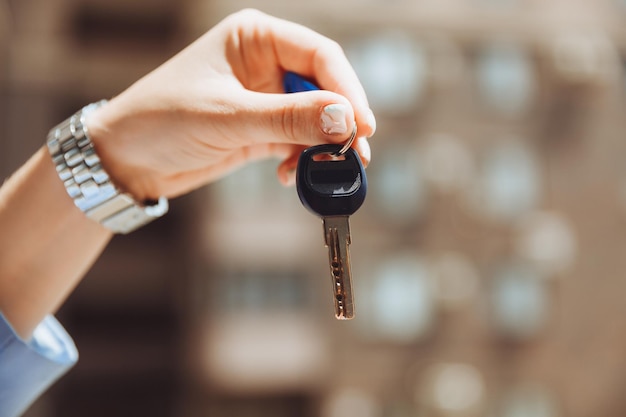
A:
x: 27, y: 369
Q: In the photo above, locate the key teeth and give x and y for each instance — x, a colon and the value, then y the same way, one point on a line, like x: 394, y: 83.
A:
x: 343, y: 312
x: 337, y: 232
x: 343, y: 292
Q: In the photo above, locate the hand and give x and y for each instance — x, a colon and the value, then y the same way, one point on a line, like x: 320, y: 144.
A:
x: 218, y: 104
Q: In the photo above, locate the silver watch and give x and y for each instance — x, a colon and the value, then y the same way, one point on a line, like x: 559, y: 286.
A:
x: 87, y: 182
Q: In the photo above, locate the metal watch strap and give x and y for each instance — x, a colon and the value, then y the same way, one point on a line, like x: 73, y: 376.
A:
x: 87, y: 182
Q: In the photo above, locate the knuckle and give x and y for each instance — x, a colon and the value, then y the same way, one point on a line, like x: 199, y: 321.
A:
x: 333, y: 48
x: 291, y: 120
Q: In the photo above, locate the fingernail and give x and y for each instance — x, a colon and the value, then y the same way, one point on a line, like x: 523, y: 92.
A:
x: 333, y: 119
x: 371, y: 122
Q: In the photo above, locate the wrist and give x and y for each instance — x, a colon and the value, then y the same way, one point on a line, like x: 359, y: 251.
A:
x: 79, y: 166
x: 108, y: 130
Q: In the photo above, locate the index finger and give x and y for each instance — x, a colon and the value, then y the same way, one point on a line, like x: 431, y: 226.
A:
x: 308, y: 53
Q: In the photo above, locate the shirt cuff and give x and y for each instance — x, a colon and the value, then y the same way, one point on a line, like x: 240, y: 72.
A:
x: 28, y: 368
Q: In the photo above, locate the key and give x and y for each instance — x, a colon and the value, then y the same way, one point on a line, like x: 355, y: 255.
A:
x: 320, y: 186
x: 334, y: 186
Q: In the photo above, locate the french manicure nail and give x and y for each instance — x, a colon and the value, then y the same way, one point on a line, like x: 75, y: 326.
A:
x: 333, y: 119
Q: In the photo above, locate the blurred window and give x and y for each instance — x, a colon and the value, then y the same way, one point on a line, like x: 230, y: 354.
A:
x: 510, y: 182
x: 520, y: 302
x: 547, y: 241
x: 452, y: 389
x: 393, y: 70
x: 457, y: 280
x: 397, y: 304
x: 585, y: 57
x: 448, y: 163
x: 247, y: 291
x: 350, y: 402
x: 397, y: 185
x: 506, y: 78
x: 255, y: 185
x: 501, y: 4
x: 523, y: 401
x: 263, y: 353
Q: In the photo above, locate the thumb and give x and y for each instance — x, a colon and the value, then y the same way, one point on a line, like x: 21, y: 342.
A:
x: 306, y: 118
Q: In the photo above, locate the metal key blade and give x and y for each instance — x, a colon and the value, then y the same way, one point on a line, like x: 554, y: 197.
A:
x: 337, y: 238
x: 334, y: 187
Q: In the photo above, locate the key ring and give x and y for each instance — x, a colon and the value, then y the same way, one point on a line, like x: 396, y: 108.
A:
x: 348, y: 143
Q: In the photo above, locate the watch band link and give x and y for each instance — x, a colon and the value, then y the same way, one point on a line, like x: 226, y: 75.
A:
x: 78, y: 166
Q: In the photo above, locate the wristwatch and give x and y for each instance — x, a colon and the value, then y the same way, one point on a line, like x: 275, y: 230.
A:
x: 88, y: 184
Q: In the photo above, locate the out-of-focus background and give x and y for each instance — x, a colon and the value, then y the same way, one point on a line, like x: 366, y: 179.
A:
x: 488, y: 259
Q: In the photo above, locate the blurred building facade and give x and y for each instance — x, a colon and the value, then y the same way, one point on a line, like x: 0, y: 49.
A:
x: 487, y: 259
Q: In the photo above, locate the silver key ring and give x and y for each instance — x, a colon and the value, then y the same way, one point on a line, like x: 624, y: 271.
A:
x: 349, y: 143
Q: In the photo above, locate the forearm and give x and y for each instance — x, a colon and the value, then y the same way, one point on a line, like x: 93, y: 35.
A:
x: 47, y: 244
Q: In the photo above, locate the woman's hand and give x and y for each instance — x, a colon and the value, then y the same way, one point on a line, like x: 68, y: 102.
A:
x: 219, y: 104
x: 213, y: 107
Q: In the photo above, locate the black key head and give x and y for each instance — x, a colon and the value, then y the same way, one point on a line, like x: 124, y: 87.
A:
x: 329, y: 184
